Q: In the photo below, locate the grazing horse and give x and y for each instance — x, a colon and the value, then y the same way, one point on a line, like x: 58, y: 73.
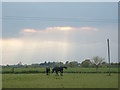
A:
x: 47, y: 70
x: 59, y: 69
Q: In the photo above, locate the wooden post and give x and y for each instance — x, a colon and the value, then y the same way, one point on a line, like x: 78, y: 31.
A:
x: 108, y: 55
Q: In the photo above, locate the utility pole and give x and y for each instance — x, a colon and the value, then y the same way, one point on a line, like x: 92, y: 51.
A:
x: 108, y: 55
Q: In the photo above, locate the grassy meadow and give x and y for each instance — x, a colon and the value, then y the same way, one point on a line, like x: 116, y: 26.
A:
x: 69, y: 80
x: 69, y: 70
x: 73, y: 78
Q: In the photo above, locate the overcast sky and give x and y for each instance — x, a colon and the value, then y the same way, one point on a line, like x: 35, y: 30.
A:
x: 60, y: 0
x: 38, y: 32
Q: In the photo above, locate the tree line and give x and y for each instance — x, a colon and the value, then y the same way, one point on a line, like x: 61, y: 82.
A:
x: 95, y: 62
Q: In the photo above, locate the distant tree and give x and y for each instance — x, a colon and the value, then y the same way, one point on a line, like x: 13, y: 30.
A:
x: 59, y: 64
x: 35, y: 65
x: 19, y: 64
x: 49, y: 63
x: 73, y: 64
x: 66, y: 62
x: 26, y: 66
x: 97, y: 61
x: 45, y: 62
x: 104, y: 63
x: 116, y: 64
x: 86, y: 63
x: 7, y: 65
x: 119, y: 63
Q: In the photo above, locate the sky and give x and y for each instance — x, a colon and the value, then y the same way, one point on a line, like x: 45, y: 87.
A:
x: 35, y: 32
x: 60, y: 0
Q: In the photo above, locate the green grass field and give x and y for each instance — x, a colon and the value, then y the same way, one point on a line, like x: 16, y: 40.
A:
x: 69, y: 70
x: 69, y: 80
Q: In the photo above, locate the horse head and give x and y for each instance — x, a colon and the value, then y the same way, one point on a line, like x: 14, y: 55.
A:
x: 65, y: 67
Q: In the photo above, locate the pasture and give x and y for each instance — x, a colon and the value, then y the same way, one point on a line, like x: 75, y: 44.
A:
x: 69, y: 80
x: 69, y: 70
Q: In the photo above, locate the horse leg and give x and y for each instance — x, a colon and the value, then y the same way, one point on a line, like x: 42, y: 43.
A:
x: 61, y: 73
x: 49, y: 72
x: 57, y: 73
x: 46, y: 73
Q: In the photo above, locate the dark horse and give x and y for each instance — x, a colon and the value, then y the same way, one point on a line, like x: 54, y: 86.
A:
x: 48, y: 70
x: 59, y: 69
